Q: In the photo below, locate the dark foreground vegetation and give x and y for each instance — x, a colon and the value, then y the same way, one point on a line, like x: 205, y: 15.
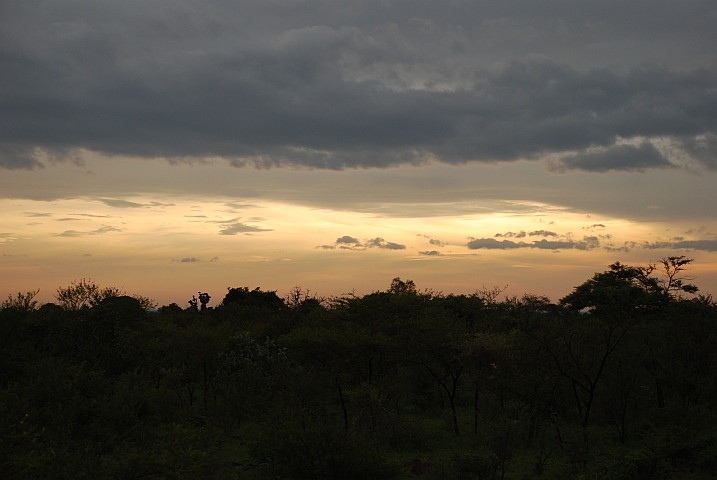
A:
x: 616, y: 381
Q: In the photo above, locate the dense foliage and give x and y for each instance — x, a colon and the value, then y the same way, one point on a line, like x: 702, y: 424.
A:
x: 615, y: 381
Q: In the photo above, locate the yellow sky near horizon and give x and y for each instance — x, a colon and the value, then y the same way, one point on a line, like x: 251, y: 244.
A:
x: 168, y: 247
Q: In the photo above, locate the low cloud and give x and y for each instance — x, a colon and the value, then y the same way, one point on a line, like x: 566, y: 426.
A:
x: 618, y: 158
x: 542, y: 233
x: 195, y: 260
x: 99, y: 231
x: 379, y: 242
x: 431, y: 253
x: 437, y: 243
x: 117, y: 203
x: 704, y: 245
x: 520, y: 234
x: 346, y: 240
x: 350, y: 243
x: 35, y: 214
x: 587, y: 243
x: 594, y: 226
x: 235, y: 228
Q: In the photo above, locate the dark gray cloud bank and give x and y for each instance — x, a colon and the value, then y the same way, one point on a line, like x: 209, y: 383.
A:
x: 587, y: 243
x: 593, y: 86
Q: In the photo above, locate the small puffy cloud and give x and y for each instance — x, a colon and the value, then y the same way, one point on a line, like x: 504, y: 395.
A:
x: 542, y: 233
x: 346, y: 240
x: 594, y: 226
x: 350, y: 243
x: 379, y: 242
x: 189, y: 260
x: 617, y: 158
x: 234, y: 228
x: 493, y: 244
x: 437, y: 243
x: 520, y: 234
x: 431, y: 253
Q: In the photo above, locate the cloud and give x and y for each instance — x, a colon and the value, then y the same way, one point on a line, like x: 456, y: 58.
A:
x: 616, y: 157
x: 437, y: 243
x: 34, y: 214
x: 120, y: 203
x: 493, y: 244
x: 195, y: 260
x: 350, y: 243
x: 704, y: 245
x: 594, y: 226
x: 346, y: 239
x: 542, y: 233
x: 238, y: 206
x: 76, y: 233
x: 379, y: 242
x: 587, y: 243
x: 90, y: 215
x: 520, y: 234
x: 18, y: 157
x: 231, y: 220
x: 431, y: 253
x: 357, y: 84
x: 234, y: 228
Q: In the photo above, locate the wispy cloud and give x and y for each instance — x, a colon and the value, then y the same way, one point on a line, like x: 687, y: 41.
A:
x: 235, y: 228
x: 704, y: 245
x: 77, y: 233
x: 117, y: 203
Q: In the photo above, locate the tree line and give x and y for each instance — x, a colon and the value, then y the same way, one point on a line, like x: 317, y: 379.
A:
x: 616, y: 380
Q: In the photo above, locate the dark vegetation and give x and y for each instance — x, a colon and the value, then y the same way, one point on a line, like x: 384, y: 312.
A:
x: 616, y: 381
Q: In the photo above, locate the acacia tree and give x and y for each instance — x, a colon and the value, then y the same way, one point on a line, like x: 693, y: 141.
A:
x: 600, y: 314
x: 86, y: 293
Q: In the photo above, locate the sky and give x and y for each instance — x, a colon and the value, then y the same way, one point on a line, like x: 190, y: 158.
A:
x: 172, y: 147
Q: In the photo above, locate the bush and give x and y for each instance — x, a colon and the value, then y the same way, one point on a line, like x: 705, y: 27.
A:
x: 318, y: 451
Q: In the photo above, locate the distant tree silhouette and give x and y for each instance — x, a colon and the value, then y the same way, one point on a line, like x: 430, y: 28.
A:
x: 193, y: 303
x: 253, y: 298
x: 204, y: 299
x: 399, y: 287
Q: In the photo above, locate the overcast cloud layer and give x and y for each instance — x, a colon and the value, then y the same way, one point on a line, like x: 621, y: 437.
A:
x: 592, y: 86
